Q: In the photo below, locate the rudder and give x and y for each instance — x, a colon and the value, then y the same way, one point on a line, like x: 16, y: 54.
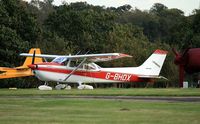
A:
x: 153, y: 65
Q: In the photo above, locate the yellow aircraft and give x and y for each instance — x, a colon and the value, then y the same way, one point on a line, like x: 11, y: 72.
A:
x: 21, y: 71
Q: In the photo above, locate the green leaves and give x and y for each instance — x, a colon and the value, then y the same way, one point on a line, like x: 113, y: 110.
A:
x: 69, y: 28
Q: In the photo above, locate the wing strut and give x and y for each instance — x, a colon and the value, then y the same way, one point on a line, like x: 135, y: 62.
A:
x: 75, y: 69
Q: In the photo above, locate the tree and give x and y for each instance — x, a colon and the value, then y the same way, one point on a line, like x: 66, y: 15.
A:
x: 69, y: 28
x: 11, y: 43
x: 158, y: 9
x: 41, y: 9
x: 195, y: 41
x: 18, y: 32
x: 81, y: 27
x: 124, y: 8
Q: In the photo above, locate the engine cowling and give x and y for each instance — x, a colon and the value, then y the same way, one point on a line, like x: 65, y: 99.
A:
x: 84, y: 86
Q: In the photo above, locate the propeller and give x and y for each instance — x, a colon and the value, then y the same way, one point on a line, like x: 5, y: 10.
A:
x: 33, y: 65
x: 33, y: 58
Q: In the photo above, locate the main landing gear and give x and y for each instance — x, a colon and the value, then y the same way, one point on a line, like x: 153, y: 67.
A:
x: 57, y: 87
x: 45, y: 87
x: 65, y: 86
x: 84, y: 86
x: 62, y: 86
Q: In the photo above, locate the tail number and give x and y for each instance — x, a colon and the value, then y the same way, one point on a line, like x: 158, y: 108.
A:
x: 118, y: 77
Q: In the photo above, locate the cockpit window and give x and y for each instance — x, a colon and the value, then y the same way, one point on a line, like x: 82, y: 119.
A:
x: 60, y: 60
x: 91, y: 66
x: 74, y: 63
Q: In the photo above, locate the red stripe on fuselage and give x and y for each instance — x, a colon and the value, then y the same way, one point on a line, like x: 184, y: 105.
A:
x: 115, y: 76
x: 50, y: 63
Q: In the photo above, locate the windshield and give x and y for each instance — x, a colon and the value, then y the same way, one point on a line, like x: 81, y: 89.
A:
x: 59, y: 60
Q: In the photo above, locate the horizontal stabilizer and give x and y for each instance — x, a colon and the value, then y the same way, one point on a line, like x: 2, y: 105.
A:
x: 148, y: 76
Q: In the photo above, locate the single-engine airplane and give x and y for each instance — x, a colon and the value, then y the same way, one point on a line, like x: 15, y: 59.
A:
x: 21, y: 71
x: 66, y: 70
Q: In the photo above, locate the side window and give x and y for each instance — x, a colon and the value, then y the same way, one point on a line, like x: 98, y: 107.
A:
x: 81, y: 67
x: 89, y: 67
x: 75, y: 64
x: 86, y: 66
x: 65, y: 62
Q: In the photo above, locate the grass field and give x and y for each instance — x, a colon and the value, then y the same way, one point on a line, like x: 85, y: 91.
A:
x: 31, y: 110
x: 107, y: 92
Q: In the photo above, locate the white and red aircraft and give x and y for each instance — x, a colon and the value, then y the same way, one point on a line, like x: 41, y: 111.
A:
x: 65, y: 69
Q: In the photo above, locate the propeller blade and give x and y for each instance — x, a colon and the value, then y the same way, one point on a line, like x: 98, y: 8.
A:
x: 33, y: 58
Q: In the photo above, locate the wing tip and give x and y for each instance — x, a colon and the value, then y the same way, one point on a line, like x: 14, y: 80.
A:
x: 124, y: 55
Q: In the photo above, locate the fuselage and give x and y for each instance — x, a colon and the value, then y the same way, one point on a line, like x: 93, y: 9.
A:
x: 87, y: 73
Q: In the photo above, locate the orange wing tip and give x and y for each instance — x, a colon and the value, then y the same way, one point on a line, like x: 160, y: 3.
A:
x: 160, y: 52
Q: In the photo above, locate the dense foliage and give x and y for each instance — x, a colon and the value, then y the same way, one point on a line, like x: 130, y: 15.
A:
x: 69, y: 28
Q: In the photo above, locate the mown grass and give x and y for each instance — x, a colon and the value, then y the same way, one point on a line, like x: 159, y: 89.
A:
x: 83, y: 111
x: 52, y: 110
x: 107, y: 92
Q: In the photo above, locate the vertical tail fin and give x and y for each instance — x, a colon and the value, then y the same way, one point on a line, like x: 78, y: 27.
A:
x: 152, y: 66
x: 28, y: 60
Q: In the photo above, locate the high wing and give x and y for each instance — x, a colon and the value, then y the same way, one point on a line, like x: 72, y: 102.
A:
x: 104, y: 57
x: 90, y: 57
x: 39, y: 55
